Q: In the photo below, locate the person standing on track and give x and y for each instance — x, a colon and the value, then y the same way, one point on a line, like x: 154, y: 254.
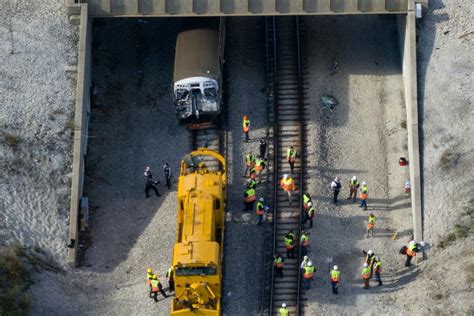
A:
x: 336, y: 188
x: 353, y: 187
x: 370, y: 225
x: 167, y: 172
x: 283, y: 311
x: 288, y: 185
x: 259, y: 167
x: 249, y: 199
x: 278, y: 263
x: 364, y: 195
x: 251, y: 184
x: 291, y: 158
x: 308, y: 273
x: 149, y: 183
x: 308, y: 215
x: 290, y: 244
x: 260, y: 210
x: 306, y: 200
x: 335, y: 277
x: 249, y: 162
x: 246, y: 127
x: 263, y: 148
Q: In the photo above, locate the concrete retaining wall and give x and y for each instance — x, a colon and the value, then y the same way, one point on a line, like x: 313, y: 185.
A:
x: 81, y: 122
x: 407, y: 36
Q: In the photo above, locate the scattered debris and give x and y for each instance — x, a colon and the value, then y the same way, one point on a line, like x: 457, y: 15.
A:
x: 466, y: 34
x: 328, y: 102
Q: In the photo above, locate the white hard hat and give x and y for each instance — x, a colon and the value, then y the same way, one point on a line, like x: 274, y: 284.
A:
x: 365, y: 265
x: 336, y: 178
x: 285, y: 176
x: 310, y: 264
x: 377, y: 259
x: 336, y: 268
x: 283, y: 305
x: 305, y: 258
x: 354, y: 178
x: 364, y: 183
x: 261, y: 199
x: 310, y: 203
x: 370, y: 252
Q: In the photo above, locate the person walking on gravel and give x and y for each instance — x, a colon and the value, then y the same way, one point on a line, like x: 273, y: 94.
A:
x: 378, y: 270
x: 291, y: 158
x: 288, y: 185
x: 167, y: 172
x: 308, y: 215
x: 259, y: 167
x: 304, y: 242
x: 364, y: 195
x: 365, y: 274
x: 335, y: 277
x: 260, y: 210
x: 308, y: 273
x: 249, y: 199
x: 149, y: 183
x: 353, y: 187
x: 156, y: 287
x: 263, y: 148
x: 246, y: 127
x: 290, y: 244
x: 369, y: 259
x: 251, y: 184
x: 149, y: 277
x: 278, y: 263
x: 370, y: 225
x: 306, y: 200
x: 336, y: 188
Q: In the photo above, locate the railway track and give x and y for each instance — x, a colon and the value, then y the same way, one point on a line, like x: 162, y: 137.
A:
x: 288, y: 131
x: 212, y: 138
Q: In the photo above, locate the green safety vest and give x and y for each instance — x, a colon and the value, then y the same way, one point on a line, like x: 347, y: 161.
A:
x: 354, y: 183
x: 289, y: 241
x: 284, y: 311
x: 365, y: 273
x: 371, y: 219
x: 259, y: 162
x: 250, y: 192
x: 378, y: 267
x: 365, y: 189
x: 245, y: 123
x: 335, y: 275
x: 170, y: 273
x: 304, y: 237
x: 149, y: 276
x: 291, y: 153
x: 259, y: 205
x: 278, y: 260
x: 252, y: 184
x: 155, y: 283
x: 306, y: 198
x: 311, y: 211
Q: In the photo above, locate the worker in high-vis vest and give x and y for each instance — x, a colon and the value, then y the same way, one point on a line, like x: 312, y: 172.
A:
x: 246, y: 127
x: 353, y: 187
x: 308, y: 214
x: 278, y: 263
x: 249, y: 199
x: 288, y: 185
x: 412, y: 249
x: 260, y: 209
x: 365, y: 274
x: 304, y: 242
x: 364, y: 195
x: 251, y: 184
x: 306, y: 200
x: 308, y: 273
x: 335, y: 277
x: 249, y: 162
x: 259, y: 167
x: 170, y: 278
x: 369, y: 259
x: 149, y: 277
x: 291, y: 158
x: 156, y: 287
x: 283, y: 311
x: 371, y: 225
x: 290, y: 244
x: 378, y: 270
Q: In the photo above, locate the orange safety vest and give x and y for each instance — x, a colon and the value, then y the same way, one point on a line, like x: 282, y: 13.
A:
x: 288, y: 184
x: 335, y: 276
x: 411, y: 253
x: 308, y: 272
x: 246, y: 125
x: 259, y: 166
x: 366, y: 273
x: 260, y: 210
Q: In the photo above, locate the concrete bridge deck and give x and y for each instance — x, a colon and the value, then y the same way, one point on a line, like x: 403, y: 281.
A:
x: 116, y: 8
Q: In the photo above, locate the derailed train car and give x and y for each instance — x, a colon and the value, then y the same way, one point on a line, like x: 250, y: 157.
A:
x: 198, y: 251
x: 197, y: 78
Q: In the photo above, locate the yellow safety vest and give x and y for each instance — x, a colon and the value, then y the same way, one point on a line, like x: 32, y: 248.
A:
x: 284, y: 311
x: 308, y: 272
x: 365, y: 273
x: 335, y: 275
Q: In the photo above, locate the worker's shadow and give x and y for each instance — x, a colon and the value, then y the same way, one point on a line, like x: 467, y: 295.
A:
x: 398, y: 280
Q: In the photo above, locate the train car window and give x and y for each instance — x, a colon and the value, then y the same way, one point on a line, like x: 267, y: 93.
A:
x: 210, y: 92
x: 202, y: 271
x: 217, y: 204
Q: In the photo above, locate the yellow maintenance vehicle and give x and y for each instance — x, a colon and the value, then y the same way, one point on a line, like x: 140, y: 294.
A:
x: 198, y: 252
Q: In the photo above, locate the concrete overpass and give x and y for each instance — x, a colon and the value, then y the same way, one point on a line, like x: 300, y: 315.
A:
x: 174, y: 8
